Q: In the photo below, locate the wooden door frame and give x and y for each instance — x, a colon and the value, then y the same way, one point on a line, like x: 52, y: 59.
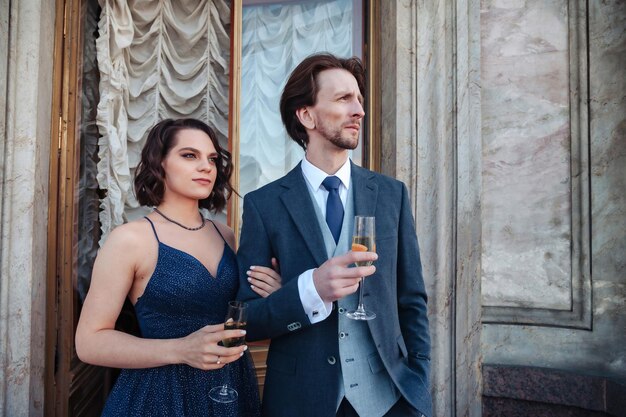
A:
x: 62, y: 365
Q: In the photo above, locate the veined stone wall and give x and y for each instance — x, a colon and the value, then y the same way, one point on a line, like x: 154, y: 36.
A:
x: 431, y: 141
x: 554, y: 182
x: 26, y: 42
x: 506, y: 120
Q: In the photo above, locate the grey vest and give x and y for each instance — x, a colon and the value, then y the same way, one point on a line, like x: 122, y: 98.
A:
x: 366, y: 383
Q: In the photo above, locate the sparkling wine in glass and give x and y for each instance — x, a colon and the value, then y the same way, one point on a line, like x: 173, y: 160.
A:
x: 363, y: 240
x: 236, y: 318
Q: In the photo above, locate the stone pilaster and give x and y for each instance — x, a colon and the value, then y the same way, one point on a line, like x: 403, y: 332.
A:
x: 27, y: 29
x: 431, y: 141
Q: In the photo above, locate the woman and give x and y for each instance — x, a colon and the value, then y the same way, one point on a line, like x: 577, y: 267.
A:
x: 179, y: 271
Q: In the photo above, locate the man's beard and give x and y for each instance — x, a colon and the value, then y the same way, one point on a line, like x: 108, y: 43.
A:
x: 334, y: 137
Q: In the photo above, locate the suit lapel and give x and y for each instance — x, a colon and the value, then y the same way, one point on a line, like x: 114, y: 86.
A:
x: 297, y: 201
x: 365, y: 191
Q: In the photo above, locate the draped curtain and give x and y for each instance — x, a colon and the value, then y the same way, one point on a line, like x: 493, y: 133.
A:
x: 88, y: 195
x: 276, y: 37
x: 157, y: 59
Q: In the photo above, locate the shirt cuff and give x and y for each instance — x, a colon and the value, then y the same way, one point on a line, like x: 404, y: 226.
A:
x: 314, y: 307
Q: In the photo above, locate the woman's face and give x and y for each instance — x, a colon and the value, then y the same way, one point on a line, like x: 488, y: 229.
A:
x: 190, y: 166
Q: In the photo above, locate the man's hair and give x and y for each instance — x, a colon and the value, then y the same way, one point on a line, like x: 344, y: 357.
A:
x: 302, y: 87
x: 150, y: 176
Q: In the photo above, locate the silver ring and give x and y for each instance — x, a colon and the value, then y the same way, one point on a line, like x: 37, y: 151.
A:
x: 218, y: 361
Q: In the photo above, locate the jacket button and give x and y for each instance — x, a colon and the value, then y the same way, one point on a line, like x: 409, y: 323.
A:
x: 331, y: 360
x: 342, y: 310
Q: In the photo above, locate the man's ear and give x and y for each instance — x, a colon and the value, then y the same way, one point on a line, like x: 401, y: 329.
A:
x: 306, y: 118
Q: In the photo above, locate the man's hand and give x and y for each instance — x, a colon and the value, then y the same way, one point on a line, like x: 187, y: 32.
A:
x: 334, y: 279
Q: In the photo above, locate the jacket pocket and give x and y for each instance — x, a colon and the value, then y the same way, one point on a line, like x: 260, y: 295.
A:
x: 376, y: 364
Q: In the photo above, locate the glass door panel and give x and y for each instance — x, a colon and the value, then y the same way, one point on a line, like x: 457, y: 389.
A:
x: 276, y: 36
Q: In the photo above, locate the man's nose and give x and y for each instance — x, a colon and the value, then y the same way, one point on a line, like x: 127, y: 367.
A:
x: 358, y: 109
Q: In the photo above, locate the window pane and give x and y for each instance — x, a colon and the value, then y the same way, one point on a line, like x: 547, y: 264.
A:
x: 276, y: 37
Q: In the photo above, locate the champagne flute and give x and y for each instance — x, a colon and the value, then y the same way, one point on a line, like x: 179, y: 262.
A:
x: 363, y: 239
x: 236, y: 318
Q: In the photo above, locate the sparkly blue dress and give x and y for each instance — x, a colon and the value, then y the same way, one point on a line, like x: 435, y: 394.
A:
x: 180, y: 298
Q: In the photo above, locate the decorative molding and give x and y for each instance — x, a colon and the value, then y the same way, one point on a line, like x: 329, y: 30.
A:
x: 579, y: 316
x: 468, y: 233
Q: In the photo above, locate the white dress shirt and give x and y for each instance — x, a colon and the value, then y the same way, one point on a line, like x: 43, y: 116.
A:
x: 315, y: 308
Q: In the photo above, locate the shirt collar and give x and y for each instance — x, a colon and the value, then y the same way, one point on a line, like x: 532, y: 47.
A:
x: 315, y: 176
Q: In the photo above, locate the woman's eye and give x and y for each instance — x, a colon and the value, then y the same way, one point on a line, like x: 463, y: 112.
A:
x: 213, y: 160
x: 188, y: 155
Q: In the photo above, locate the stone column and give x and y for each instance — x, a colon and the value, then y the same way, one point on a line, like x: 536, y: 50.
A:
x: 430, y: 55
x: 26, y: 41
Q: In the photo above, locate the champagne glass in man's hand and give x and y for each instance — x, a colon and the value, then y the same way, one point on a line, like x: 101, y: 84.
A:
x: 236, y: 318
x: 363, y: 240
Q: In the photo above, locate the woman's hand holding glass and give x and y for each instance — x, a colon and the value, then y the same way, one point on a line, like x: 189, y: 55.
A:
x: 236, y: 318
x: 202, y: 349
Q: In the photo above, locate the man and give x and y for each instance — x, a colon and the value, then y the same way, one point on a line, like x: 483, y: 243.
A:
x: 321, y: 363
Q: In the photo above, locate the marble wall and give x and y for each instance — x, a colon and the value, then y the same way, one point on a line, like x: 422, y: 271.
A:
x: 508, y: 128
x: 526, y: 203
x: 27, y: 29
x: 589, y: 233
x: 431, y: 140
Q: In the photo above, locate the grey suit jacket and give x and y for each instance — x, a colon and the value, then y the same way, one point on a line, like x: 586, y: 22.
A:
x: 302, y: 376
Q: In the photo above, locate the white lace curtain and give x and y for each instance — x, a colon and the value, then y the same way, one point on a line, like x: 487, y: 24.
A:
x: 276, y: 37
x: 157, y: 59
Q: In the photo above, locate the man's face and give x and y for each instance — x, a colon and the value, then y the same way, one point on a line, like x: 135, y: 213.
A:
x: 338, y: 110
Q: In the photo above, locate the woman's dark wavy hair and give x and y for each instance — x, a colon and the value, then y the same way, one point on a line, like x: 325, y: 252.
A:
x: 150, y: 176
x: 302, y: 87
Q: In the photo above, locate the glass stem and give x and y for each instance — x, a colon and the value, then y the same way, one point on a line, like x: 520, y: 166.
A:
x: 224, y: 390
x: 360, y: 307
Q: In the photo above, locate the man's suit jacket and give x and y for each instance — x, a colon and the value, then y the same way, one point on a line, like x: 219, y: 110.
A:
x: 303, y: 374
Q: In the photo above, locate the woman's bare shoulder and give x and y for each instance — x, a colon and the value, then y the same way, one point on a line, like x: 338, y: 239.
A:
x: 131, y: 235
x: 226, y: 232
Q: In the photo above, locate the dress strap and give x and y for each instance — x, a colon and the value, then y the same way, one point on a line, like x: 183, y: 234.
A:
x: 218, y: 231
x: 153, y: 229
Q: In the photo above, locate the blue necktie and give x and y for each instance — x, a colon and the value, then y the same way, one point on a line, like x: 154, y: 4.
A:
x: 334, y: 208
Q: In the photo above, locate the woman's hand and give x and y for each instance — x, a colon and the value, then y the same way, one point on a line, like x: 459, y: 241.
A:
x: 201, y: 350
x: 264, y: 280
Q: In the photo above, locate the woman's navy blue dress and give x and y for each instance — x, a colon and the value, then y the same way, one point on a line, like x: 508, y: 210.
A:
x: 180, y: 298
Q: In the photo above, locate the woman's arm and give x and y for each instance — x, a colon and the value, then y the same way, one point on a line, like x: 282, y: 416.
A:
x: 263, y: 280
x: 97, y: 341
